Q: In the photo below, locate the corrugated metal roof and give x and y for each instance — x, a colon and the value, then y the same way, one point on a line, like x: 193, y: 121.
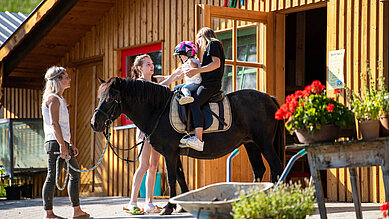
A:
x: 9, y: 22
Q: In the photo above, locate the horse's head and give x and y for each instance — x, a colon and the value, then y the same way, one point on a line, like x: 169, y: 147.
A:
x: 110, y: 104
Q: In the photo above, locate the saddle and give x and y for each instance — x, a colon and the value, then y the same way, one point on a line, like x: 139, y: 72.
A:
x: 217, y: 114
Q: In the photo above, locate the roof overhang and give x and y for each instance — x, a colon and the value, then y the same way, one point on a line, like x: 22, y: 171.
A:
x: 45, y: 37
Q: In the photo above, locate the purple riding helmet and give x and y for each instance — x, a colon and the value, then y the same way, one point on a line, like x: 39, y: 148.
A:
x: 186, y: 48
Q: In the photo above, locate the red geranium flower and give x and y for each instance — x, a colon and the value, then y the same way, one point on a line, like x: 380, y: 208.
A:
x: 330, y: 107
x: 336, y: 91
x: 385, y: 209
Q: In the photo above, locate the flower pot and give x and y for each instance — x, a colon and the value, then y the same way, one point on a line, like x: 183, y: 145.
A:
x: 384, y: 128
x: 26, y: 190
x: 13, y: 192
x: 369, y: 129
x: 326, y: 133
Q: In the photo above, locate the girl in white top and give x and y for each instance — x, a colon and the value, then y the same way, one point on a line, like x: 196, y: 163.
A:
x: 186, y: 51
x: 58, y: 139
x: 143, y: 69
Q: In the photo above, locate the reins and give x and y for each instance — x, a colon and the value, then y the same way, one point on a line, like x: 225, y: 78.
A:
x: 107, y: 136
x: 57, y: 172
x: 108, y: 123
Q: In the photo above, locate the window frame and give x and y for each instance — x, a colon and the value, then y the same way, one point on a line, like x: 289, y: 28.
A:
x: 138, y: 50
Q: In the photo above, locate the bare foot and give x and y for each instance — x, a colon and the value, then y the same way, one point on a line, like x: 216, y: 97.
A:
x: 78, y: 213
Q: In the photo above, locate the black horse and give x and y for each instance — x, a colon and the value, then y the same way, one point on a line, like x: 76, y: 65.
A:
x: 145, y: 103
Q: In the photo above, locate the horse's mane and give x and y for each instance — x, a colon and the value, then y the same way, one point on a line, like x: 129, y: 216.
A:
x: 140, y: 90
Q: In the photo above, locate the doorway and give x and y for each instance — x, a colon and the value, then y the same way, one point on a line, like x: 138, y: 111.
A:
x: 305, y: 61
x: 305, y: 49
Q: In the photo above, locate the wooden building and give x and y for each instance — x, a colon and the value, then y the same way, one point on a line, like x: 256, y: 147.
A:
x: 276, y: 46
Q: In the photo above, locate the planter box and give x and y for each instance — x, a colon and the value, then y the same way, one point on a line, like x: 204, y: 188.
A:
x: 13, y: 192
x: 26, y: 190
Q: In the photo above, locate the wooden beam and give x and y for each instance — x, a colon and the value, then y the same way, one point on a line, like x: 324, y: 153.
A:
x: 26, y: 27
x: 33, y: 31
x: 237, y: 14
x: 303, y: 8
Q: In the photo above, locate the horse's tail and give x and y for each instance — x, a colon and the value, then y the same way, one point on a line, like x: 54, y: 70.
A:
x: 279, y: 139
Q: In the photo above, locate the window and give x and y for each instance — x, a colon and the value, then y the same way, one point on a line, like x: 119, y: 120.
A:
x: 128, y: 57
x: 246, y: 77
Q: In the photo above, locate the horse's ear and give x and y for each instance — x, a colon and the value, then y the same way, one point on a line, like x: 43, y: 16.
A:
x: 101, y: 81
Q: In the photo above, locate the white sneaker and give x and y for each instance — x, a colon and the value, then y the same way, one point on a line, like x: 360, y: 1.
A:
x: 195, y: 143
x: 184, y: 139
x: 186, y: 100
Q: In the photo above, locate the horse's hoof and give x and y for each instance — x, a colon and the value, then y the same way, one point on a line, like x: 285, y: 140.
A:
x: 181, y: 210
x: 166, y: 211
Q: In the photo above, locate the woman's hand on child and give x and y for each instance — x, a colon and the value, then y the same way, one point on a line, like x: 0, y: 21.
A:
x: 178, y: 73
x: 191, y: 72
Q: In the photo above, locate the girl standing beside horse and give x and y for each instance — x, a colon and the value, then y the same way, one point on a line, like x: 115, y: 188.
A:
x: 143, y: 69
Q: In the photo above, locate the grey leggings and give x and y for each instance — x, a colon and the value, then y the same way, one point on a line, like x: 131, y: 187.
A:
x: 49, y: 186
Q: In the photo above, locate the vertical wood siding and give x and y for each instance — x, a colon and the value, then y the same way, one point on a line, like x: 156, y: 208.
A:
x: 360, y: 28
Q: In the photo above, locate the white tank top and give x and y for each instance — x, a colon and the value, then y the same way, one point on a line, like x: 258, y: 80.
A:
x: 63, y: 120
x: 195, y: 79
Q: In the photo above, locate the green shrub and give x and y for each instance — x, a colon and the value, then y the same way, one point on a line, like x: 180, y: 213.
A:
x: 2, y: 181
x: 288, y: 201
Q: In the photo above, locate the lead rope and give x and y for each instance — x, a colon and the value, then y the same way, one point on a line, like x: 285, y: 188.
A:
x: 75, y: 169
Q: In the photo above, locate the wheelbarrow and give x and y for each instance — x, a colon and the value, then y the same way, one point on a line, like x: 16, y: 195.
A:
x: 214, y: 201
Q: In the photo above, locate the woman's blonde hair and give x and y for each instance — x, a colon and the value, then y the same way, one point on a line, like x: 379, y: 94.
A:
x: 138, y: 62
x: 52, y: 77
x: 207, y: 34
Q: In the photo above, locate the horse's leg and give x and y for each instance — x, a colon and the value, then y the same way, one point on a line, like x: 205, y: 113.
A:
x: 181, y: 177
x: 271, y: 156
x: 171, y: 166
x: 181, y: 180
x: 255, y: 156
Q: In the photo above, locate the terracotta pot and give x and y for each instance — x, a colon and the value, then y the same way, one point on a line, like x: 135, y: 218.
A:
x: 326, y: 133
x: 369, y: 129
x: 384, y: 128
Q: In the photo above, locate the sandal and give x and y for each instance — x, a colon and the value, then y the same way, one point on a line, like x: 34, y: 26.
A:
x: 134, y: 210
x: 156, y: 209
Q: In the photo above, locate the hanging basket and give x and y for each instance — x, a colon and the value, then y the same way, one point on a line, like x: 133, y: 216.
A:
x: 325, y: 134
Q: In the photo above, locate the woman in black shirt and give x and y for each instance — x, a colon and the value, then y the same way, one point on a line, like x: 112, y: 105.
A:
x: 211, y: 70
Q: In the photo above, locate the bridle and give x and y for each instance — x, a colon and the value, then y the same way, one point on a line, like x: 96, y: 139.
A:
x: 107, y: 124
x: 109, y: 120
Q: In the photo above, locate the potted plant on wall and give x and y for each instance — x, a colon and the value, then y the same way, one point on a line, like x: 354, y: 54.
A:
x: 384, y: 116
x: 313, y: 116
x: 367, y: 105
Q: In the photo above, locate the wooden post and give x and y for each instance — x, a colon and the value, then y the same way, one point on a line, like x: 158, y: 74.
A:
x: 315, y: 172
x: 356, y: 191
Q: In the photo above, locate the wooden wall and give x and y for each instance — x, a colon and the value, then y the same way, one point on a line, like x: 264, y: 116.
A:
x: 357, y: 26
x: 360, y: 28
x: 133, y: 23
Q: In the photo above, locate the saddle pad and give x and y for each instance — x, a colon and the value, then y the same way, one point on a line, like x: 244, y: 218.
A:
x: 179, y: 126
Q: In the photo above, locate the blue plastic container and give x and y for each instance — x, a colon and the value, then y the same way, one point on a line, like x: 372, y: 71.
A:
x: 157, y: 187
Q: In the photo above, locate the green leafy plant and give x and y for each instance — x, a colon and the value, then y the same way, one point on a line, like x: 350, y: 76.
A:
x: 310, y: 109
x: 289, y: 200
x: 3, y: 182
x: 369, y: 103
x: 385, y: 104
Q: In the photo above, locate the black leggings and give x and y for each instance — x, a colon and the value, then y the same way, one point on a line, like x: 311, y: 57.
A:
x: 201, y: 97
x: 49, y: 185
